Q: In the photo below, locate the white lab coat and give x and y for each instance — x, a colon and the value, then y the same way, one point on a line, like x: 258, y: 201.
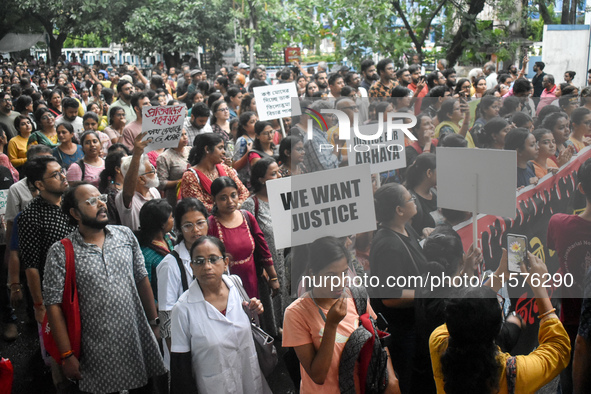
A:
x: 223, y: 355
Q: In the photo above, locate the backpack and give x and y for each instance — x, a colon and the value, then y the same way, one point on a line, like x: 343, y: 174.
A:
x: 364, y: 346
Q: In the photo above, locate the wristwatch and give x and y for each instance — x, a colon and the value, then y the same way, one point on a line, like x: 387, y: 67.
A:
x: 155, y: 322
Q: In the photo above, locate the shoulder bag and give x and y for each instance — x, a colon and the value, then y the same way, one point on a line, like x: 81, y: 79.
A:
x: 263, y: 342
x: 70, y: 309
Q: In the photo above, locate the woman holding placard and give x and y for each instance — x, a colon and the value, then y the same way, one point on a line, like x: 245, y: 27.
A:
x: 395, y: 252
x: 258, y: 204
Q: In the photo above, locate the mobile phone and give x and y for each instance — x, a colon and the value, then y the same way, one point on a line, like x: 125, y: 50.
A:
x: 516, y: 251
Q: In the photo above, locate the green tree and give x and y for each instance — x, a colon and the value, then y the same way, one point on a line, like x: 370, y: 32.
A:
x: 174, y: 26
x: 63, y: 18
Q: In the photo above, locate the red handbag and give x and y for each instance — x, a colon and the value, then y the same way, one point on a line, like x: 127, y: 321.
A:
x: 70, y: 308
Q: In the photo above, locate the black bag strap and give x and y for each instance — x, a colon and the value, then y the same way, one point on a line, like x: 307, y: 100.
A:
x: 410, y: 254
x: 256, y: 207
x: 82, y: 168
x: 182, y: 269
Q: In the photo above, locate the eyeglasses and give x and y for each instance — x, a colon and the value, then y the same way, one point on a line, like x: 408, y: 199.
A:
x: 153, y: 171
x: 6, y: 100
x: 93, y: 201
x: 412, y: 198
x: 190, y: 226
x: 224, y: 109
x: 211, y: 259
x: 57, y: 174
x: 267, y: 133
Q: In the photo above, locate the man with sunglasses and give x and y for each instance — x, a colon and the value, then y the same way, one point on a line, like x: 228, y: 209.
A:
x: 119, y: 349
x: 41, y: 224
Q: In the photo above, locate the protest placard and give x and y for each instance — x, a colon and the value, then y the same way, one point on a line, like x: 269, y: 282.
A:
x: 275, y: 101
x: 335, y: 202
x: 381, y: 154
x: 164, y: 125
x: 477, y: 180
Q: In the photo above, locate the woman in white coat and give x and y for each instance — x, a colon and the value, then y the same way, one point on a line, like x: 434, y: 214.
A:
x: 191, y: 223
x: 212, y: 346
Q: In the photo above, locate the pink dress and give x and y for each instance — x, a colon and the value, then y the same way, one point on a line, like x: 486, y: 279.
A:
x: 241, y: 243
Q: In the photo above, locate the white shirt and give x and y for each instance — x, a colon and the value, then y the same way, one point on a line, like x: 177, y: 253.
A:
x: 76, y: 124
x: 170, y: 286
x: 223, y: 355
x: 19, y: 196
x: 130, y: 217
x: 491, y: 80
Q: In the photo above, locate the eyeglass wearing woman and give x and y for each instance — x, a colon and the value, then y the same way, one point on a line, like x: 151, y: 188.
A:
x: 263, y: 143
x: 212, y: 346
x: 220, y: 114
x: 191, y: 224
x: 395, y: 208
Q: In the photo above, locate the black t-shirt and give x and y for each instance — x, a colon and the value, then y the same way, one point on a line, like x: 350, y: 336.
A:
x: 389, y: 257
x: 423, y: 217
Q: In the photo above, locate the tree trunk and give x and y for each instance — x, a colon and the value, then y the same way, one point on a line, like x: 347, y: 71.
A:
x: 172, y: 59
x: 55, y: 46
x: 544, y: 12
x: 565, y: 12
x: 468, y: 23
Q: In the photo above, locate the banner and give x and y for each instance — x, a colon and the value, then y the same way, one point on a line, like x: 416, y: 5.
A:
x: 535, y: 206
x: 164, y: 125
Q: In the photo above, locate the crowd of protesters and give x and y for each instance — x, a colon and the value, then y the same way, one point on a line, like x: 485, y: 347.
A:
x: 164, y: 241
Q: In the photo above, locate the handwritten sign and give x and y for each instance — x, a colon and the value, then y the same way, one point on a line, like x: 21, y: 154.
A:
x: 335, y: 202
x: 164, y: 125
x: 275, y: 102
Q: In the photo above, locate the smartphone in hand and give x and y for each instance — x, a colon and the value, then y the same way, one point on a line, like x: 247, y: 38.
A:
x: 516, y: 252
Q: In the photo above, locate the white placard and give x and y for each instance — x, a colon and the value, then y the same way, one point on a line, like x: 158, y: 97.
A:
x: 381, y: 154
x: 275, y: 101
x: 334, y: 202
x: 164, y: 125
x: 477, y: 180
